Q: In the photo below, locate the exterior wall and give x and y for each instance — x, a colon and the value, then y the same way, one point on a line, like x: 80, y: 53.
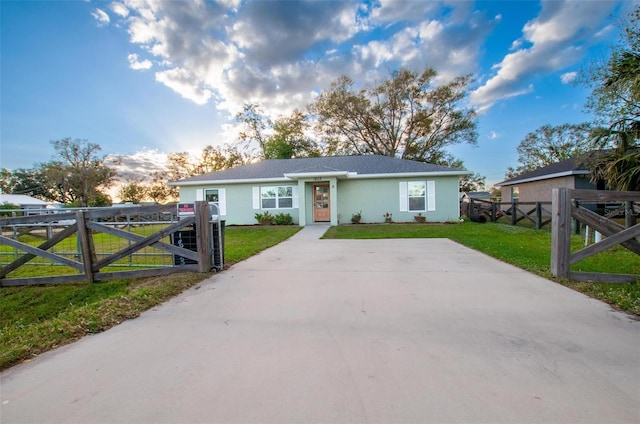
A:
x: 540, y: 191
x: 374, y: 197
x: 239, y: 202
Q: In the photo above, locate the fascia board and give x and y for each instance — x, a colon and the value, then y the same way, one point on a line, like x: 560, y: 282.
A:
x: 328, y: 174
x: 340, y: 174
x: 542, y: 177
x: 412, y: 174
x: 225, y: 182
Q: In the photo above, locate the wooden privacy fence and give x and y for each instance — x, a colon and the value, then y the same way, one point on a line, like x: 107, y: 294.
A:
x: 569, y: 205
x: 85, y: 225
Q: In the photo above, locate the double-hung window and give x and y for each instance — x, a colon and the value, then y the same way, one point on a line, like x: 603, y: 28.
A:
x: 276, y: 197
x: 417, y: 194
x: 215, y: 196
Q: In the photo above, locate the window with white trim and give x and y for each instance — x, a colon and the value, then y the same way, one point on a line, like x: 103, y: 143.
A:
x: 276, y: 197
x: 417, y: 196
x: 215, y: 196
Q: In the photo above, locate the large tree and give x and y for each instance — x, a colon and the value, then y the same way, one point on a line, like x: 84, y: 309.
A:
x: 31, y: 182
x: 550, y: 144
x: 285, y: 138
x: 133, y: 191
x: 77, y: 173
x: 183, y: 165
x: 615, y: 101
x: 405, y: 116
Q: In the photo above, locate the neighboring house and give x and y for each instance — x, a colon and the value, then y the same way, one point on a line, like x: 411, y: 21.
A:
x: 536, y: 186
x: 22, y: 201
x: 475, y: 195
x: 480, y: 207
x: 330, y: 189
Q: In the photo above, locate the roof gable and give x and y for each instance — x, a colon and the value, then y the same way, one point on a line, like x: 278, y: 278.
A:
x: 21, y: 199
x: 368, y: 165
x: 572, y: 166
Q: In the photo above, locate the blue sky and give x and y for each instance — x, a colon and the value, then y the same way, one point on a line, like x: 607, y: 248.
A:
x: 143, y: 78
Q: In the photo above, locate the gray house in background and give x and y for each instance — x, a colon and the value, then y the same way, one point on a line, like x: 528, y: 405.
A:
x: 536, y: 186
x: 330, y: 190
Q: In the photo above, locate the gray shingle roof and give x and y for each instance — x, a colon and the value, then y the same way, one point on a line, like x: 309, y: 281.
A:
x: 572, y: 166
x: 362, y: 165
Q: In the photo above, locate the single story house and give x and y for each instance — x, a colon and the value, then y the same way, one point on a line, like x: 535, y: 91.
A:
x: 536, y: 186
x: 475, y: 195
x: 22, y: 201
x: 330, y: 189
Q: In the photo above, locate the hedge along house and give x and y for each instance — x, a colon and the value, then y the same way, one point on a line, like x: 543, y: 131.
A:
x: 329, y: 190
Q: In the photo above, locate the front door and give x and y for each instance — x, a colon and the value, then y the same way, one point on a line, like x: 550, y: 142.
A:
x: 321, y: 206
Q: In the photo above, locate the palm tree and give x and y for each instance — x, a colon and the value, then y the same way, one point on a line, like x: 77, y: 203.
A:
x: 617, y: 96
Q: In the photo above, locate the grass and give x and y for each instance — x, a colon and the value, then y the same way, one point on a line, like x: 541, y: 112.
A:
x: 105, y: 245
x: 35, y: 319
x: 244, y: 242
x: 525, y: 248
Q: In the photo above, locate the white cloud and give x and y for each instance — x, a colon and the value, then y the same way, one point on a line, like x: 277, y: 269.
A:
x: 119, y: 9
x: 280, y: 54
x: 568, y: 77
x: 186, y: 84
x: 494, y: 135
x: 101, y: 17
x: 402, y: 10
x: 275, y: 53
x: 137, y: 166
x: 555, y: 39
x: 136, y: 64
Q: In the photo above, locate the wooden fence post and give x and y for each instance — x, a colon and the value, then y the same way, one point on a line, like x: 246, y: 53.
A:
x: 629, y: 214
x: 203, y: 236
x: 86, y: 245
x: 538, y: 215
x: 560, y: 232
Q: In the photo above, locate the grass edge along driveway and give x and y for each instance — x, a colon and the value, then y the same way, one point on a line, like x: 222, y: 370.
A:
x: 524, y: 248
x: 35, y: 319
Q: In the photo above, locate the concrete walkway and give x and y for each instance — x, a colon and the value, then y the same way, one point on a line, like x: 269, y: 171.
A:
x: 363, y: 331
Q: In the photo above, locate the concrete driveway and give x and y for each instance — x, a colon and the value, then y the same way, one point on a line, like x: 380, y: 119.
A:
x: 333, y: 331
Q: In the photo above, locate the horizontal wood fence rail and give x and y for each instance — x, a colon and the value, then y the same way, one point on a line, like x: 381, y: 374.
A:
x: 84, y: 224
x: 568, y: 205
x: 538, y: 213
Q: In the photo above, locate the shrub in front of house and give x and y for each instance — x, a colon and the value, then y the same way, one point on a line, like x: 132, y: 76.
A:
x: 264, y: 218
x: 356, y: 218
x: 283, y: 219
x: 10, y: 207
